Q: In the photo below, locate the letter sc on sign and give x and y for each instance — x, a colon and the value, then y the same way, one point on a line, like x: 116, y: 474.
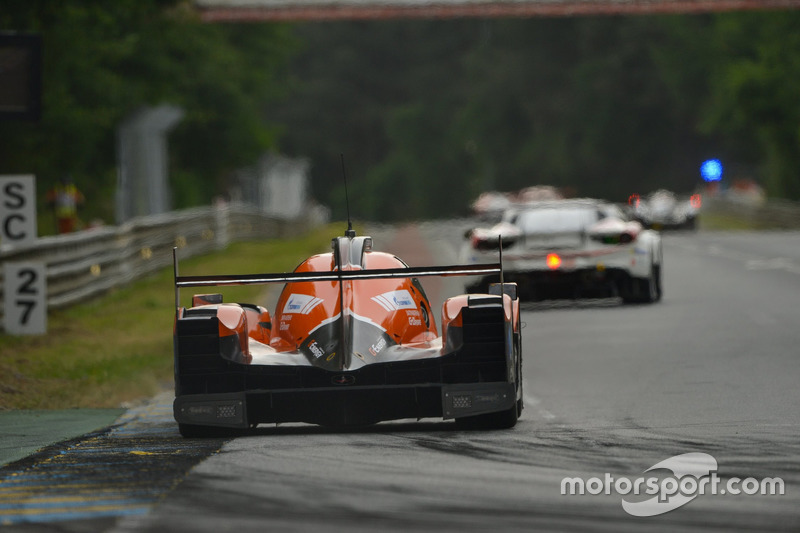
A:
x: 17, y: 209
x: 24, y: 283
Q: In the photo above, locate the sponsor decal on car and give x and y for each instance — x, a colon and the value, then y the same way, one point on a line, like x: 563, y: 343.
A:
x: 395, y: 300
x: 316, y: 349
x: 376, y: 348
x: 413, y: 317
x: 301, y: 303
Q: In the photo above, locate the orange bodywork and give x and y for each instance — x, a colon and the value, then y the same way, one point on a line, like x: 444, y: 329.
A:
x: 232, y: 322
x: 341, y: 324
x: 351, y: 340
x: 398, y: 306
x: 259, y: 323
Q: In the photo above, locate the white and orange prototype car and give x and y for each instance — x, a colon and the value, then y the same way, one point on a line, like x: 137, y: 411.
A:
x: 352, y: 340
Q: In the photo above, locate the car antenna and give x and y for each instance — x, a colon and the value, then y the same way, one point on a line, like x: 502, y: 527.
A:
x: 344, y: 338
x: 350, y: 233
x: 502, y: 281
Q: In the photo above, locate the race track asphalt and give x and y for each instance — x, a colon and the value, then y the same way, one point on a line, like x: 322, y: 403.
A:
x: 609, y: 389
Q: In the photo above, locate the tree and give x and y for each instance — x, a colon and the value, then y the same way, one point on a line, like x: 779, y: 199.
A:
x: 755, y: 79
x: 104, y: 60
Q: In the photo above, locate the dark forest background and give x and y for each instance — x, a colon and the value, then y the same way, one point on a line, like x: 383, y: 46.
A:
x: 428, y: 113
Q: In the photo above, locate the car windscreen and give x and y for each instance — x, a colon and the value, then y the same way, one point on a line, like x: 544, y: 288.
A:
x: 557, y: 220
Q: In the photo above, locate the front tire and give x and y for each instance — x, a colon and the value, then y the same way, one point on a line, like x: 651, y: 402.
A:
x: 500, y: 420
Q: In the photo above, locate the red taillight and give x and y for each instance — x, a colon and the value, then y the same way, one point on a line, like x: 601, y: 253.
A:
x: 553, y: 261
x: 633, y: 200
x: 696, y: 200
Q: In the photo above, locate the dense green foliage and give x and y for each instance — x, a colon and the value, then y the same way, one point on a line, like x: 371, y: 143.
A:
x: 104, y: 60
x: 428, y: 113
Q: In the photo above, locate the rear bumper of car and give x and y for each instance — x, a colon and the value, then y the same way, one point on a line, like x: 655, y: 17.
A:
x: 564, y: 284
x: 596, y: 273
x: 344, y: 405
x: 660, y: 225
x: 477, y: 376
x: 620, y: 257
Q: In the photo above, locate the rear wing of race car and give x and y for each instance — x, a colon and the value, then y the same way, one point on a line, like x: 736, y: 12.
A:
x: 287, y: 277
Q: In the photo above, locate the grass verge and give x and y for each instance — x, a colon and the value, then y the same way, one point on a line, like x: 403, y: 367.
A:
x: 117, y: 349
x: 710, y: 221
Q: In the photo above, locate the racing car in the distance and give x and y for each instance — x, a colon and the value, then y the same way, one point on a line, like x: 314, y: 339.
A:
x: 664, y: 209
x: 352, y: 341
x: 571, y: 249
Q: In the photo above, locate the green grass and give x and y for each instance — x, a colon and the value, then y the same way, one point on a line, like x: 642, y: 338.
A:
x: 117, y: 348
x: 724, y: 222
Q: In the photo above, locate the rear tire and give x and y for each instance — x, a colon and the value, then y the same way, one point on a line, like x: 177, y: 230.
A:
x: 643, y: 290
x: 500, y: 420
x: 191, y: 431
x: 659, y: 289
x: 520, y: 381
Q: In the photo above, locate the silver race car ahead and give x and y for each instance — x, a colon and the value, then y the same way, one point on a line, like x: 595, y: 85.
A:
x: 579, y: 248
x: 663, y: 209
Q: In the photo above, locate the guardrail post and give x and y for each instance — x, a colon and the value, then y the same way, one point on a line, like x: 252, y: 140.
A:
x: 222, y: 224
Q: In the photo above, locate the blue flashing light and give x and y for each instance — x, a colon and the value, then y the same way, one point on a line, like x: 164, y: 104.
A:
x: 711, y: 170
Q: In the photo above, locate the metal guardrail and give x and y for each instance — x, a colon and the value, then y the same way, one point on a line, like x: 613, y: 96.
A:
x: 90, y: 262
x: 772, y: 214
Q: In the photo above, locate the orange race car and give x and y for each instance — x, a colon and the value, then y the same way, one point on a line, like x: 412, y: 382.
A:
x: 351, y: 341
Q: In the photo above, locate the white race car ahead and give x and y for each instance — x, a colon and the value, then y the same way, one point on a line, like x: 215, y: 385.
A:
x: 663, y: 210
x: 579, y: 248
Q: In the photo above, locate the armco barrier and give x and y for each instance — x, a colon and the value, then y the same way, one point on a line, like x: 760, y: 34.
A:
x: 87, y: 263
